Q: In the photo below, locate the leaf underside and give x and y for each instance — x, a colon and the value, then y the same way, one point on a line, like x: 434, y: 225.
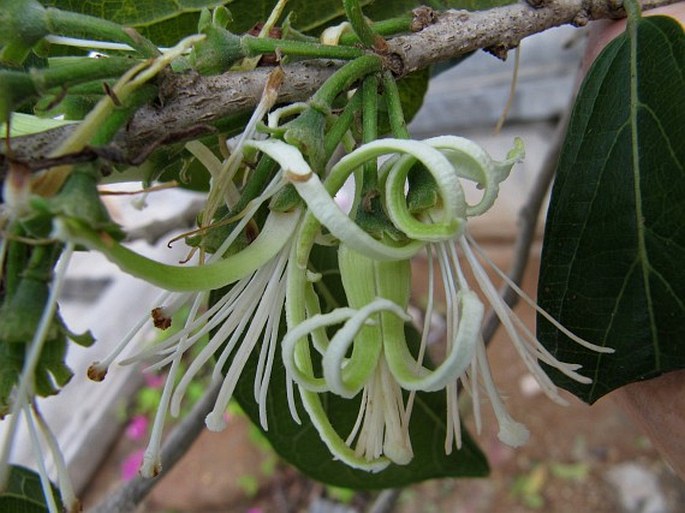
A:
x: 24, y: 493
x: 614, y: 245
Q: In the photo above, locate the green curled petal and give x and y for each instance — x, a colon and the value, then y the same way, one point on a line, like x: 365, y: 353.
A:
x: 277, y: 231
x: 329, y: 436
x: 472, y: 162
x: 453, y: 202
x: 328, y: 213
x: 404, y: 220
x: 346, y: 377
x: 411, y: 375
x: 298, y: 366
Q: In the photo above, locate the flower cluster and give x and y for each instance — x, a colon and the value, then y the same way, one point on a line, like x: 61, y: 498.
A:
x: 268, y: 297
x: 368, y: 353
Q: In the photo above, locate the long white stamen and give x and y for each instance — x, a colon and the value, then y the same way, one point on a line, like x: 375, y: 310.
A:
x: 98, y: 370
x: 69, y: 500
x: 540, y: 352
x: 152, y: 464
x: 396, y: 442
x: 252, y: 317
x: 360, y: 417
x: 475, y: 394
x: 272, y: 343
x: 533, y: 304
x: 501, y: 310
x: 40, y: 460
x: 199, y: 328
x: 247, y: 214
x: 258, y: 321
x: 511, y: 432
x: 453, y: 427
x: 265, y: 365
x: 207, y: 353
x: 270, y: 300
x: 428, y: 316
x: 232, y: 164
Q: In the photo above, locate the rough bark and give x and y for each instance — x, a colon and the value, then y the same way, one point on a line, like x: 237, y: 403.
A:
x: 193, y: 103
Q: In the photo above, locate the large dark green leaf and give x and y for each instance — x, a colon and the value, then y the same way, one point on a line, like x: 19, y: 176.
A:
x: 301, y: 446
x: 24, y: 493
x: 614, y: 248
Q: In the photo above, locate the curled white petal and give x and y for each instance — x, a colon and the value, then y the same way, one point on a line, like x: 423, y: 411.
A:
x: 414, y: 376
x: 472, y: 162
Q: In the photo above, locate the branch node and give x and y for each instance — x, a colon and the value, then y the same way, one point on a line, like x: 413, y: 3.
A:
x: 581, y: 19
x: 421, y: 18
x: 394, y: 63
x: 501, y: 50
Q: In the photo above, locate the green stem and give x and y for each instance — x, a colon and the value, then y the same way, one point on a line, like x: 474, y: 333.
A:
x: 398, y: 124
x: 343, y: 79
x: 361, y: 26
x: 370, y: 130
x: 262, y: 175
x: 120, y: 115
x: 80, y: 25
x: 633, y: 10
x: 19, y: 86
x: 254, y: 46
x: 342, y: 125
x: 383, y: 28
x: 131, y: 81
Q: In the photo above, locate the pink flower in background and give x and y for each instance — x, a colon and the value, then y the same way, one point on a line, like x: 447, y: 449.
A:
x: 153, y: 380
x: 255, y: 510
x: 137, y: 428
x: 130, y: 466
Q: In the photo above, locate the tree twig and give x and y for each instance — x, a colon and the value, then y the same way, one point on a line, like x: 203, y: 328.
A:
x: 126, y: 498
x: 191, y: 101
x: 386, y: 500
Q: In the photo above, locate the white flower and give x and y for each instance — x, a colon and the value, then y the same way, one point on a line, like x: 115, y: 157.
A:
x: 380, y: 363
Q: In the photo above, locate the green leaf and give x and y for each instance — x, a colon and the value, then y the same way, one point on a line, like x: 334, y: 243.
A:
x: 24, y: 493
x: 164, y: 22
x: 614, y: 247
x: 301, y: 446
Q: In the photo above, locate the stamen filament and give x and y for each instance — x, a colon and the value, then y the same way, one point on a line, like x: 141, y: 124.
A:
x: 40, y: 460
x: 69, y: 500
